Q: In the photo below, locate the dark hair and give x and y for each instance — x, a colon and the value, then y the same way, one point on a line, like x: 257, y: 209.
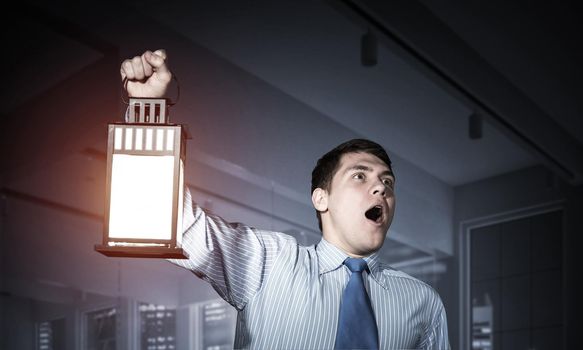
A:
x: 327, y: 166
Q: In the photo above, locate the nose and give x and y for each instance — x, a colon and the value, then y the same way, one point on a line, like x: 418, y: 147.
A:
x: 379, y: 188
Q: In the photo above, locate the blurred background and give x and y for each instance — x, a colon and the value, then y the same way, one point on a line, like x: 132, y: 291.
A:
x: 478, y: 104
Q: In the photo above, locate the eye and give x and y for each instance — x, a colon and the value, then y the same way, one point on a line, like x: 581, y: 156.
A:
x: 388, y: 182
x: 359, y: 176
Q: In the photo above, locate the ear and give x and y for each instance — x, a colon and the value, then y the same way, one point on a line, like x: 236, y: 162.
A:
x: 320, y: 199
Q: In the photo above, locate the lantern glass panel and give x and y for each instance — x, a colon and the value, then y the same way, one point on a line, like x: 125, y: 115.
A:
x: 160, y: 139
x: 170, y: 140
x: 129, y: 133
x: 149, y: 138
x: 118, y: 138
x: 139, y: 139
x: 139, y: 210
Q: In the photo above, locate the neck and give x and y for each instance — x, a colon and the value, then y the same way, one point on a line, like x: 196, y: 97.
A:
x: 339, y: 244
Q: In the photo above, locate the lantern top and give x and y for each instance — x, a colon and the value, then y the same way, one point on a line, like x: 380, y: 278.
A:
x: 146, y: 110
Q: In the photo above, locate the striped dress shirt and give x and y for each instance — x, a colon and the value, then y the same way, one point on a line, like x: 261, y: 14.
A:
x: 288, y: 296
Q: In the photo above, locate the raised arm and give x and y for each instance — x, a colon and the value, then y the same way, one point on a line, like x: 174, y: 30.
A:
x: 234, y: 258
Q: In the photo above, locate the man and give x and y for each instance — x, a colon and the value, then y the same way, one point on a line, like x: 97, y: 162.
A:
x: 335, y: 294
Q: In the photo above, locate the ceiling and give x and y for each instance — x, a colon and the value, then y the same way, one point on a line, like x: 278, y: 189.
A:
x: 310, y: 51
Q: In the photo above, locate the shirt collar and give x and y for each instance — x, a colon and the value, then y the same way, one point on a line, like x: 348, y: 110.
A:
x: 332, y: 257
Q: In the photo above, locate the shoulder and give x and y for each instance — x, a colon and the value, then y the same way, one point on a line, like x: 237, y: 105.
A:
x: 396, y: 280
x: 275, y: 237
x: 278, y: 242
x: 291, y: 255
x: 286, y: 242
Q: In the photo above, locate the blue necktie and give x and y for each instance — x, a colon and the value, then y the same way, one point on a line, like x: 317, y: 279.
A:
x: 357, y: 328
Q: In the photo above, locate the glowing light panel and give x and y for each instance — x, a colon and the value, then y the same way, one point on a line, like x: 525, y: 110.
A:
x: 138, y: 209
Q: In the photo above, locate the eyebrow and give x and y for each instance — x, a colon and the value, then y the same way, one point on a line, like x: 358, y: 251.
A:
x: 368, y: 169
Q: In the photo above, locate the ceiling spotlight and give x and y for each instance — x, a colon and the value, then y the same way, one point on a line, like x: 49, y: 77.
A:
x: 475, y: 126
x: 368, y: 49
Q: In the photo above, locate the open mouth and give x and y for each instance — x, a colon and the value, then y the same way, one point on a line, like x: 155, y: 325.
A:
x: 374, y: 214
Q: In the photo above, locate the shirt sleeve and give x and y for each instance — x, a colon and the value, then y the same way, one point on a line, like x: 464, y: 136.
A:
x: 436, y: 336
x: 234, y: 258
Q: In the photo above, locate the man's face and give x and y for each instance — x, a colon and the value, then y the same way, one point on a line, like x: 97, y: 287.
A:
x: 358, y: 210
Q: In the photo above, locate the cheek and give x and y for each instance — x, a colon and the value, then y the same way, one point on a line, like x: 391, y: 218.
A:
x: 344, y: 214
x: 352, y: 206
x: 391, y: 201
x: 346, y: 203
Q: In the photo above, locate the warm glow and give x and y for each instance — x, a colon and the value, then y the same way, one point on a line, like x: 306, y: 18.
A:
x: 141, y: 196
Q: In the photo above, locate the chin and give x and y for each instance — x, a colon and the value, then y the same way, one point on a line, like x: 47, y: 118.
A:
x: 373, y: 247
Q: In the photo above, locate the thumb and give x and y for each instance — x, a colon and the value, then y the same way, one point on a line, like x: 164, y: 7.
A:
x: 157, y: 60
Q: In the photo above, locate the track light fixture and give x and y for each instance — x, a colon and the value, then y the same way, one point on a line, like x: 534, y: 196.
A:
x: 368, y: 49
x: 475, y: 126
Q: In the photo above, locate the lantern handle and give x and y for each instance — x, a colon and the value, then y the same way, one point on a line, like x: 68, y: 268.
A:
x: 125, y: 90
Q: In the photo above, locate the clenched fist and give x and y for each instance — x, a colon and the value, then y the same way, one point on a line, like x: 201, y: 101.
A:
x: 148, y: 75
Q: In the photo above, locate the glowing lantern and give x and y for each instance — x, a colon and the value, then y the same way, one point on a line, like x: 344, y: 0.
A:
x: 145, y: 179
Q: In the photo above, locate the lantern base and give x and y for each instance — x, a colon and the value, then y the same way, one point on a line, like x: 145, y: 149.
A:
x: 141, y: 252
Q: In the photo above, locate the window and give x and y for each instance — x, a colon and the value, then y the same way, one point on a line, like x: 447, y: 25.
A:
x: 102, y: 329
x: 158, y: 327
x: 50, y: 334
x: 218, y: 320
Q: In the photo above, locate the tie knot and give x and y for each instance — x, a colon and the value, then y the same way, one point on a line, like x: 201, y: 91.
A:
x: 355, y: 265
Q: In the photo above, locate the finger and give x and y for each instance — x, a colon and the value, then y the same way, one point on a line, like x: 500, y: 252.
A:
x: 138, y: 67
x: 147, y: 67
x: 159, y: 65
x: 128, y: 70
x: 161, y: 53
